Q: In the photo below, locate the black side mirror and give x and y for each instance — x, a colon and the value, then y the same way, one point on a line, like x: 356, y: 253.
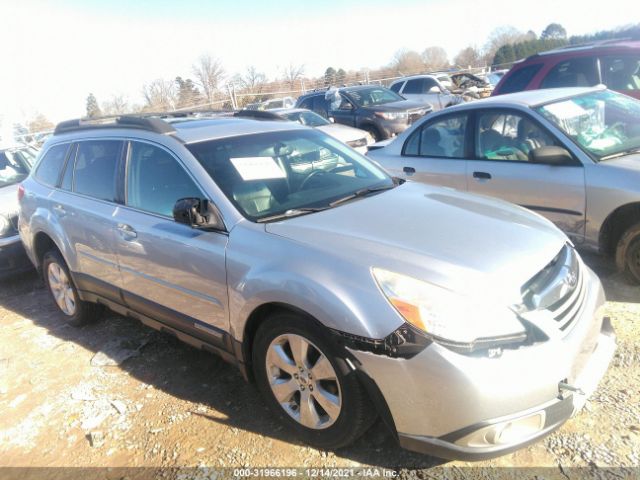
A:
x: 198, y: 213
x: 550, y: 155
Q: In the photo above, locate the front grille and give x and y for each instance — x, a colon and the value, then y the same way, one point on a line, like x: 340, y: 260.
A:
x: 559, y: 288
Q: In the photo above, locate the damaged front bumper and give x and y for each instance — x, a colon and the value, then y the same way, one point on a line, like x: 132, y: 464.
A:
x: 472, y: 407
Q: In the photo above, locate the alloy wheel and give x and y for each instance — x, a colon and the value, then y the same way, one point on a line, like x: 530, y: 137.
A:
x: 303, y: 381
x: 61, y: 288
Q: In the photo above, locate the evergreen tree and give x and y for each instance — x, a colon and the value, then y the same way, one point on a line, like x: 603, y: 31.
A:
x: 93, y: 110
x: 329, y: 76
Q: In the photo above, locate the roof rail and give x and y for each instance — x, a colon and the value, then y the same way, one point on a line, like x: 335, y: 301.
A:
x: 152, y: 124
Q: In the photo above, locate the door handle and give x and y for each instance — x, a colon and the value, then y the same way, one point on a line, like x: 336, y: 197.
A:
x: 482, y: 175
x: 127, y: 231
x: 409, y: 170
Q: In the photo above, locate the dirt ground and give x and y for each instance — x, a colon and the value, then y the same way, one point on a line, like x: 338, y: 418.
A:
x: 116, y: 393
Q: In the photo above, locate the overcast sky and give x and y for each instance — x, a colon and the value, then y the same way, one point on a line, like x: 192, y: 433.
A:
x: 54, y: 53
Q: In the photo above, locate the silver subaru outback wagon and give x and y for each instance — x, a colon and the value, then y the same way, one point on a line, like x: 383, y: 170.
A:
x: 470, y: 325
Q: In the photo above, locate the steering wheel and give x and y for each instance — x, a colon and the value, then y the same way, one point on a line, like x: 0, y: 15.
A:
x: 311, y: 176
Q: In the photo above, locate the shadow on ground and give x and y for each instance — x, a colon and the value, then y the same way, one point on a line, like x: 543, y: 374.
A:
x: 189, y: 374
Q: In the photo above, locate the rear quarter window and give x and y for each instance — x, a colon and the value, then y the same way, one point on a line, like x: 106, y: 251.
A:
x: 50, y: 167
x: 519, y: 79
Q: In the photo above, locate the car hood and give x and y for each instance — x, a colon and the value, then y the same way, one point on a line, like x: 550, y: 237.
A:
x: 455, y: 240
x: 343, y: 133
x: 628, y: 162
x: 399, y: 106
x: 9, y: 199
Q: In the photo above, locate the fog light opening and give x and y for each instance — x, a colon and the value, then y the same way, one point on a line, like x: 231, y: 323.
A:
x: 509, y: 432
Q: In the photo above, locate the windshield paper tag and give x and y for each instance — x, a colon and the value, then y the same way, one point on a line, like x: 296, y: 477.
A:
x: 566, y: 109
x: 257, y: 168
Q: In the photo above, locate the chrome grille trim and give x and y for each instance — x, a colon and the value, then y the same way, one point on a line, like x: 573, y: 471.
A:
x: 564, y: 272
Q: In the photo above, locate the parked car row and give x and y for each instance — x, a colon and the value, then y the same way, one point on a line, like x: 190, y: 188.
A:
x: 343, y: 292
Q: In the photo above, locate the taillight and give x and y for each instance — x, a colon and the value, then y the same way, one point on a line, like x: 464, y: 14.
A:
x: 20, y: 192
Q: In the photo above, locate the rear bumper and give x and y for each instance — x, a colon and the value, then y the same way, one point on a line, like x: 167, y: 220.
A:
x: 13, y: 258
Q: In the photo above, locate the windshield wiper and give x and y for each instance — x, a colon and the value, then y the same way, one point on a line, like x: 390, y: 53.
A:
x: 361, y: 193
x: 621, y: 154
x: 294, y: 212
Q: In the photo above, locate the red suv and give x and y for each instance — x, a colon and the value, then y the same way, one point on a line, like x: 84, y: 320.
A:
x: 616, y: 63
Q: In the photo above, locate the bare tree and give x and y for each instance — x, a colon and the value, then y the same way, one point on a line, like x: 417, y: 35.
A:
x: 39, y: 123
x: 501, y: 36
x: 115, y: 105
x: 253, y: 80
x: 468, y: 57
x: 292, y: 73
x: 209, y: 74
x: 435, y: 58
x: 160, y: 95
x: 407, y: 61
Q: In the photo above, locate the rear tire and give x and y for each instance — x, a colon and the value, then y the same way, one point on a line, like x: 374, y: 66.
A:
x: 60, y: 284
x: 377, y: 136
x: 628, y: 254
x: 311, y: 389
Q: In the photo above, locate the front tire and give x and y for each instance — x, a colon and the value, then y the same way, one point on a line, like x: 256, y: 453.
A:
x: 628, y: 254
x: 63, y: 291
x: 307, y: 384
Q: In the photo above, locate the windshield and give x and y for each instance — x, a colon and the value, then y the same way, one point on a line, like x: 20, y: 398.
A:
x: 307, y: 118
x: 15, y: 165
x: 368, y: 97
x: 604, y: 124
x: 268, y: 174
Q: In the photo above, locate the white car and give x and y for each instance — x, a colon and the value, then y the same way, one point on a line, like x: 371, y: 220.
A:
x: 427, y: 89
x: 357, y: 139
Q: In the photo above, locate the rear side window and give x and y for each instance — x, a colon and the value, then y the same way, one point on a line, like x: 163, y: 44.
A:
x: 51, y: 165
x: 577, y: 72
x: 95, y: 169
x: 156, y: 181
x: 396, y: 87
x: 443, y: 138
x: 414, y: 86
x: 320, y: 105
x: 519, y: 79
x: 621, y: 72
x: 306, y: 103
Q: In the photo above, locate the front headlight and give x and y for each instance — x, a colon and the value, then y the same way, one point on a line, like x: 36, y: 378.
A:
x: 361, y: 142
x: 393, y: 115
x: 451, y: 318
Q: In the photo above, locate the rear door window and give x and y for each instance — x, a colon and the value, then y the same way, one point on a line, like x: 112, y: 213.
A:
x: 51, y: 165
x: 95, y: 168
x: 621, y: 72
x: 519, y: 79
x: 414, y: 86
x: 576, y: 72
x: 443, y: 138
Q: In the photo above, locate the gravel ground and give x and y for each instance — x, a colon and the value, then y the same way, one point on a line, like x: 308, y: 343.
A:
x: 116, y: 393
